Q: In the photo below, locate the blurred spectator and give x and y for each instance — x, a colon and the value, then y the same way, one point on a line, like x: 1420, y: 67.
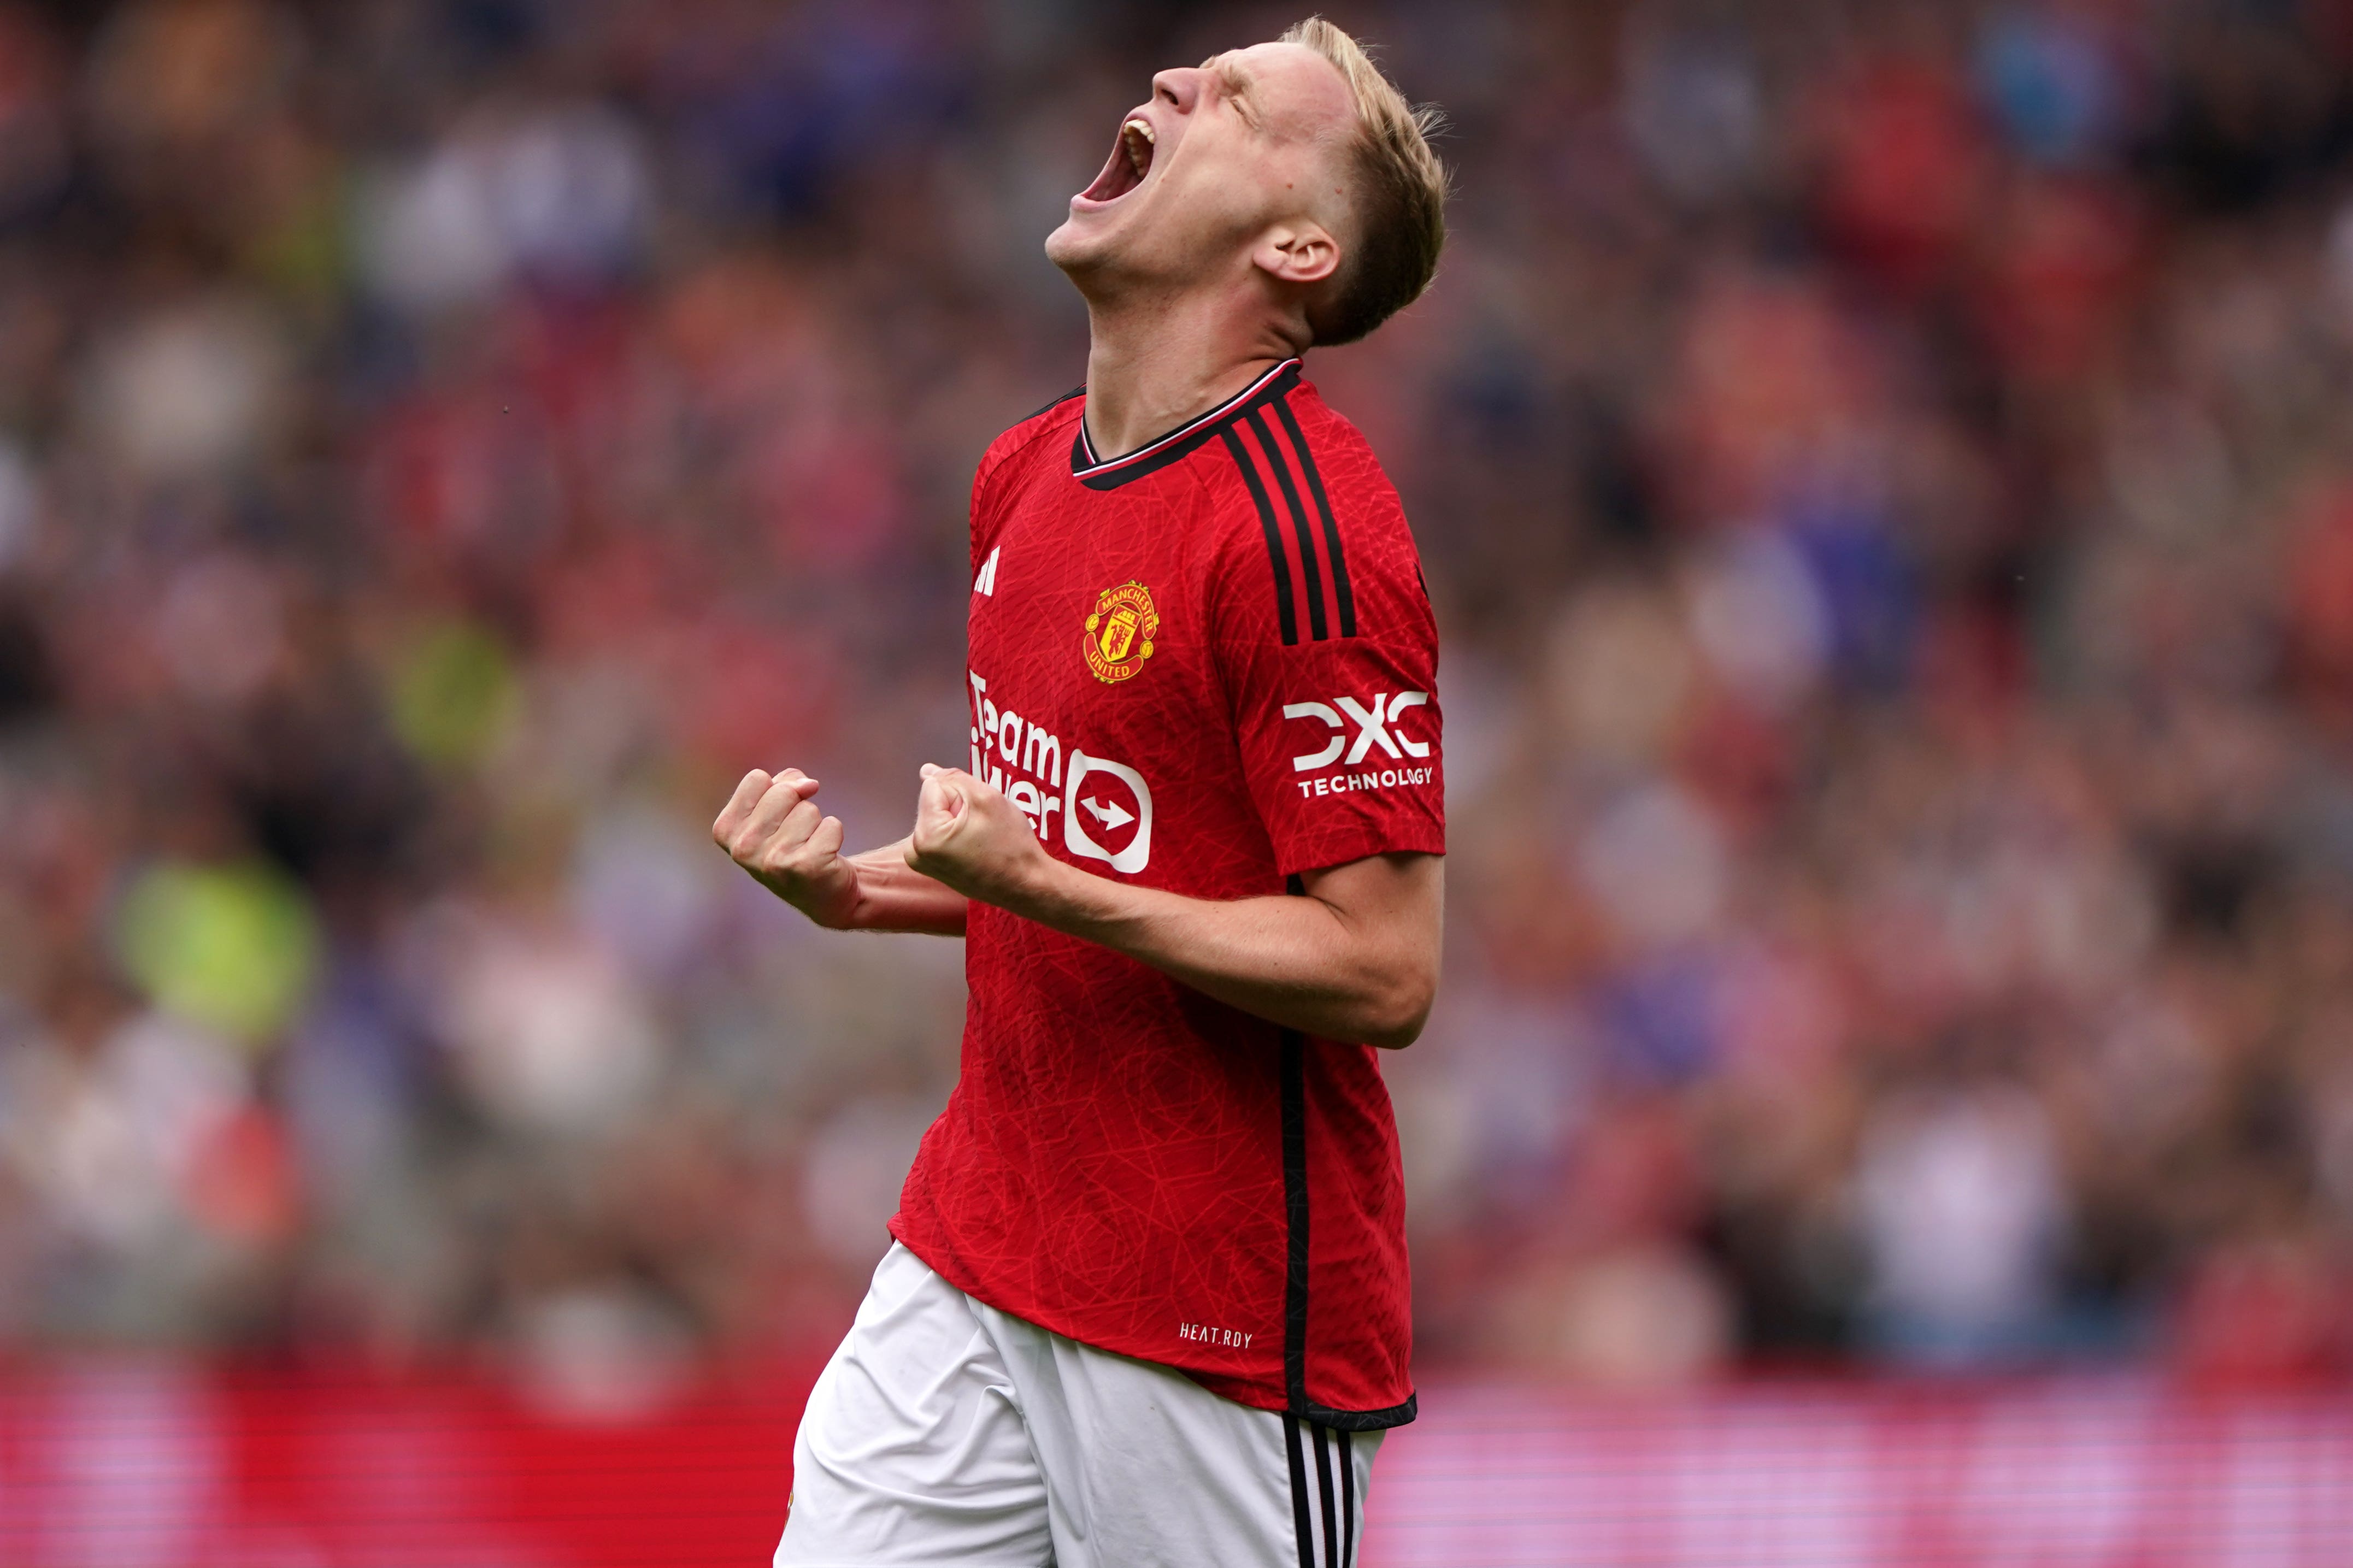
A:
x: 1960, y: 1204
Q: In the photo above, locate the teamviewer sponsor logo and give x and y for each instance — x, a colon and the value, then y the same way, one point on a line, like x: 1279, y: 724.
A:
x: 1086, y: 795
x: 1104, y: 807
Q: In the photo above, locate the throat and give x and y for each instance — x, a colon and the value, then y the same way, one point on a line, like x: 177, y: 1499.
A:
x: 1156, y: 376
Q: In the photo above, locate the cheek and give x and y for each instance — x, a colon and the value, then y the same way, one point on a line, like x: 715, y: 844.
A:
x: 1230, y: 189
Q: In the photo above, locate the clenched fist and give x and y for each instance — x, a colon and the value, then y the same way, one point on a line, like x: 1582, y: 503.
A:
x: 969, y: 836
x: 773, y: 830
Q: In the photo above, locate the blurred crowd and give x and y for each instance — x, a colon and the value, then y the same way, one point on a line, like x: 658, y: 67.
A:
x: 1885, y: 471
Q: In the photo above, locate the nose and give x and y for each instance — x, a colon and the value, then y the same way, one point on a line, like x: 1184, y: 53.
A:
x: 1179, y: 88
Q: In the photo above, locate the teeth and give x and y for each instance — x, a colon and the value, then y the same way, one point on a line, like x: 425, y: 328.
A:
x: 1135, y: 137
x: 1142, y: 128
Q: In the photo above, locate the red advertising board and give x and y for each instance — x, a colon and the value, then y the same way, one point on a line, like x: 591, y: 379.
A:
x: 153, y: 1464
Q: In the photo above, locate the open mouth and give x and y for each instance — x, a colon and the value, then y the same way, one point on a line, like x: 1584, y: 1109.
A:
x: 1131, y: 160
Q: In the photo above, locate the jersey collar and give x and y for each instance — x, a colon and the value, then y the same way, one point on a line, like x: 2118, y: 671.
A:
x: 1163, y: 450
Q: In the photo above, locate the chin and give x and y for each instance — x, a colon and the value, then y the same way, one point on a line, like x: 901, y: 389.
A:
x: 1064, y: 246
x: 1077, y: 247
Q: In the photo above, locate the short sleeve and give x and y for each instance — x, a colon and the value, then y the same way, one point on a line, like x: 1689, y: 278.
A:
x: 989, y: 490
x: 1328, y: 651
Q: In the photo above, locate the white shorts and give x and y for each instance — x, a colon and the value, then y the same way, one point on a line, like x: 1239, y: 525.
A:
x: 943, y: 1431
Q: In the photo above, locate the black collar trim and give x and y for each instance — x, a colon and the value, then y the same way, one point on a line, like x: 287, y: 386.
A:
x: 1156, y: 455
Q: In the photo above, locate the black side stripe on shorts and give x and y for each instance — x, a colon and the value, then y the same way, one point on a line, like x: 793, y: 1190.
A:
x: 1335, y: 1507
x: 1346, y: 601
x: 1324, y: 1485
x: 1299, y: 1515
x: 1347, y: 1495
x: 1282, y: 610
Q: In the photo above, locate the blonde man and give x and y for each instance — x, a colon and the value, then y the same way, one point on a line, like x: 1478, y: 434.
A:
x: 1147, y: 1298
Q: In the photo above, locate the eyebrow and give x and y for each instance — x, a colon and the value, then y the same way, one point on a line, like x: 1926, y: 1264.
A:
x: 1236, y: 85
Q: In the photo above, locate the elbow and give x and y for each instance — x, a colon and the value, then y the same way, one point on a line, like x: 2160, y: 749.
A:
x: 1397, y: 1016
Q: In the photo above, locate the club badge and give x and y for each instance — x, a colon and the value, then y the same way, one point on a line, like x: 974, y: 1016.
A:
x: 1120, y: 632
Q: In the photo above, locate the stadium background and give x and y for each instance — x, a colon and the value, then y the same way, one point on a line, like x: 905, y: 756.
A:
x: 1885, y: 472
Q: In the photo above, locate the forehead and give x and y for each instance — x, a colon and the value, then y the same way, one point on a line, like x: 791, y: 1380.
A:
x: 1295, y: 88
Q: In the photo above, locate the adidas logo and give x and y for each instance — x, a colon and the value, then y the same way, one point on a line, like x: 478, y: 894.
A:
x: 986, y: 582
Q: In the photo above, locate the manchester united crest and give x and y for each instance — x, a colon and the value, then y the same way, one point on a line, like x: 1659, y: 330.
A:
x: 1120, y: 632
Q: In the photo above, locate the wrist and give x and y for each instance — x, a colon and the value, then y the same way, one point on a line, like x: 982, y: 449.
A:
x: 1032, y: 887
x: 837, y: 907
x: 840, y: 914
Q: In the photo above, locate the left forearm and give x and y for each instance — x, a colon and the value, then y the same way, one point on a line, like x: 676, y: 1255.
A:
x: 1300, y: 962
x: 1354, y: 958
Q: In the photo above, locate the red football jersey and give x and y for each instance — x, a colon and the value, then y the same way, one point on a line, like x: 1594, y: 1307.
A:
x: 1207, y: 665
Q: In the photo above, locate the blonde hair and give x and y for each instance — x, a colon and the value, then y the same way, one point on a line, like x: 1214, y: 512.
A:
x: 1399, y: 199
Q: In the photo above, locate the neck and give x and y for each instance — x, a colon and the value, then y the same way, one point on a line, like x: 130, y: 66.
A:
x: 1154, y: 363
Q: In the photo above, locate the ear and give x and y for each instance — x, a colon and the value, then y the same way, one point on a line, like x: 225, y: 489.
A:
x: 1301, y: 252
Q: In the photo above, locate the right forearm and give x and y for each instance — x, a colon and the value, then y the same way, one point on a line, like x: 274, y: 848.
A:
x: 894, y: 897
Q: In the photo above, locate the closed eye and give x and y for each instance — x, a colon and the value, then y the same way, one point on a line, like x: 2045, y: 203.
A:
x: 1234, y: 88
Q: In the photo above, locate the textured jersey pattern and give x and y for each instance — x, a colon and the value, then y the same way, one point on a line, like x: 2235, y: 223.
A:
x: 1206, y: 666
